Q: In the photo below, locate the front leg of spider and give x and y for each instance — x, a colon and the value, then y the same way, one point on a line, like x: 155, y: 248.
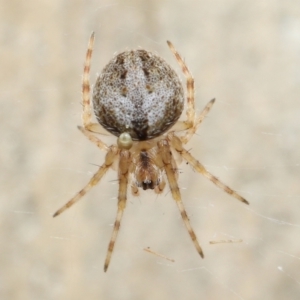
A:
x: 167, y: 163
x: 109, y: 159
x: 124, y: 164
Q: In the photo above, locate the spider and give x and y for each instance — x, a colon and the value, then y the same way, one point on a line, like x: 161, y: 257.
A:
x: 139, y: 98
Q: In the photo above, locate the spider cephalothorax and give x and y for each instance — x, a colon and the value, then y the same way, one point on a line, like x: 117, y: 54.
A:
x: 139, y: 98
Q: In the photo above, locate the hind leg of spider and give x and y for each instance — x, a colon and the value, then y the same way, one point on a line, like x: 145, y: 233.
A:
x: 194, y: 163
x: 167, y: 163
x: 190, y: 112
x: 124, y: 164
x: 86, y: 103
x: 191, y: 131
x: 109, y: 159
x: 95, y: 140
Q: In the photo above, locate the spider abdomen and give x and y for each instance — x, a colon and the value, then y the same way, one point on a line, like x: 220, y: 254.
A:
x: 139, y: 93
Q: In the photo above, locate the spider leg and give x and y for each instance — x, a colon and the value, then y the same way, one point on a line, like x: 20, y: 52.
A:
x: 109, y: 159
x: 86, y: 103
x: 177, y: 145
x: 93, y: 139
x: 124, y: 163
x: 96, y: 128
x: 167, y: 162
x: 86, y: 112
x: 160, y: 187
x: 134, y: 189
x: 190, y: 132
x: 190, y: 112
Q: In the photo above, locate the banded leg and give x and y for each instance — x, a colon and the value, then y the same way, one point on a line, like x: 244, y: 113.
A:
x: 190, y: 132
x: 167, y: 163
x: 177, y: 145
x: 124, y: 164
x: 93, y: 138
x: 190, y: 113
x: 86, y: 103
x: 87, y: 111
x: 109, y: 159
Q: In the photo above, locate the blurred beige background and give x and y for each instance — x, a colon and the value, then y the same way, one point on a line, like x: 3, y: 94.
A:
x: 246, y: 54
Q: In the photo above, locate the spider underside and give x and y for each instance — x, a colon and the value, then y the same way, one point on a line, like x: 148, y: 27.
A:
x: 143, y: 153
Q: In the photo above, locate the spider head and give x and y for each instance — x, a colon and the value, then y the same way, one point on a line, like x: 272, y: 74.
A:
x: 147, y: 174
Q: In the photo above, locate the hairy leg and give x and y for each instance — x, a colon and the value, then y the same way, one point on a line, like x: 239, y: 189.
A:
x: 109, y: 159
x: 168, y: 163
x: 86, y: 103
x: 177, y: 145
x: 124, y: 164
x: 191, y: 131
x: 190, y: 112
x: 94, y: 139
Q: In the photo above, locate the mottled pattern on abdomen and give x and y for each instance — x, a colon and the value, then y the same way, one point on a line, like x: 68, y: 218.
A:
x: 139, y: 93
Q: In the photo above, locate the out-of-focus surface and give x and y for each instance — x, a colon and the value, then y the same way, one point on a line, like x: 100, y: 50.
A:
x: 246, y: 54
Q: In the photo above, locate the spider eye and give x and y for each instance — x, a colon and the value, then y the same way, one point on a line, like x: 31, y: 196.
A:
x: 125, y: 141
